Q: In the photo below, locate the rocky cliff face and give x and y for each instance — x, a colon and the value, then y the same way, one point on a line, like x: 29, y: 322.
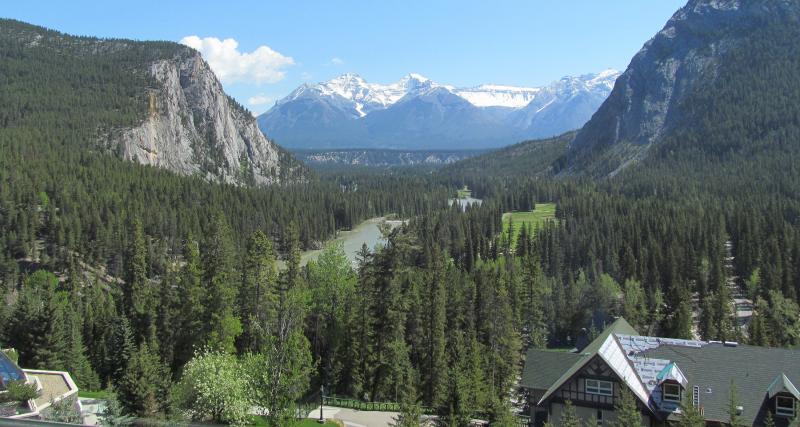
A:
x: 194, y: 128
x: 646, y: 102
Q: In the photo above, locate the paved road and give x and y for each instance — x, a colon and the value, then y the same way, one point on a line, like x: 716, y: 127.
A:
x: 354, y: 418
x: 92, y: 410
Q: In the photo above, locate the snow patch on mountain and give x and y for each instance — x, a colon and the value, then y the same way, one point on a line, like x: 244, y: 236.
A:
x: 367, y: 97
x: 347, y: 112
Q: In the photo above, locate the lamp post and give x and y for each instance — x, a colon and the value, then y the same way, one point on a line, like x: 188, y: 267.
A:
x: 321, y: 402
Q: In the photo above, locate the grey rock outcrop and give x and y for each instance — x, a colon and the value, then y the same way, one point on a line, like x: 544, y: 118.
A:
x: 194, y: 128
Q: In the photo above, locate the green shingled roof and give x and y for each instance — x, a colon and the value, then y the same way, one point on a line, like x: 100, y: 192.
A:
x: 620, y: 326
x: 753, y: 370
x: 544, y: 367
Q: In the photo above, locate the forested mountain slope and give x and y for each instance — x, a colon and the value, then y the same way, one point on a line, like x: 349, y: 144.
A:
x: 716, y: 92
x: 534, y: 158
x: 157, y: 103
x: 726, y: 67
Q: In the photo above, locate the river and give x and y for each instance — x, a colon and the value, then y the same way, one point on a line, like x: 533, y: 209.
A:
x: 352, y: 240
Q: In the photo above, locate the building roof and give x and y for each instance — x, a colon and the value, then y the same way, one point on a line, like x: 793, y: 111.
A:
x: 606, y: 347
x: 9, y: 371
x: 672, y: 372
x: 713, y: 366
x: 644, y: 363
x: 55, y: 386
x: 781, y: 384
x: 547, y: 369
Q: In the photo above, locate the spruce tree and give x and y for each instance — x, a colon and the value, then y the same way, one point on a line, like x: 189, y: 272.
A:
x: 569, y: 416
x: 144, y: 388
x: 139, y: 296
x: 690, y: 415
x: 734, y: 417
x: 191, y: 311
x: 259, y: 293
x: 220, y: 322
x: 627, y: 411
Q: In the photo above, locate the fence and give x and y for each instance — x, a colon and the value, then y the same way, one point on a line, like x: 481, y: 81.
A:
x: 343, y: 402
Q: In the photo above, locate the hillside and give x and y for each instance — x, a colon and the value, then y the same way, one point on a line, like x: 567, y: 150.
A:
x: 525, y: 158
x: 712, y: 98
x: 156, y: 103
x: 715, y: 63
x: 381, y: 158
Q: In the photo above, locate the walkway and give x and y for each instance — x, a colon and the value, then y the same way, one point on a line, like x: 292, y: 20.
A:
x: 354, y: 418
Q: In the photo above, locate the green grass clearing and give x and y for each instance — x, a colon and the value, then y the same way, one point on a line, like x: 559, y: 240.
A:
x: 534, y: 219
x: 464, y: 193
x: 100, y: 394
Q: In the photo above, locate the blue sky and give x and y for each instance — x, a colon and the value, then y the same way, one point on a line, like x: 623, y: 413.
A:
x: 282, y: 44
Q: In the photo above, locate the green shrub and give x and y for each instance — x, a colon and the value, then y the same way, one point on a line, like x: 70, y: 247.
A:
x: 19, y: 391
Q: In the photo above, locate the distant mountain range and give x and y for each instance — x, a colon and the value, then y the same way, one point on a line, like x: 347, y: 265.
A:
x: 418, y: 113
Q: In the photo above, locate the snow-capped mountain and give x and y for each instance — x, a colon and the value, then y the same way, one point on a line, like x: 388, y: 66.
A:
x: 416, y: 112
x: 498, y: 95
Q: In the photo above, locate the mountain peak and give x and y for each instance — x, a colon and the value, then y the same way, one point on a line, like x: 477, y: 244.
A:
x: 417, y: 77
x: 348, y: 111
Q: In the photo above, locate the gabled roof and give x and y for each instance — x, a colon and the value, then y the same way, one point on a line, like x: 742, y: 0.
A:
x: 706, y: 370
x: 607, y: 348
x: 544, y: 367
x: 781, y: 384
x: 671, y: 372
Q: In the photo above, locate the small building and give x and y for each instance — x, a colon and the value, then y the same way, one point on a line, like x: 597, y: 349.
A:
x: 663, y: 374
x: 53, y: 386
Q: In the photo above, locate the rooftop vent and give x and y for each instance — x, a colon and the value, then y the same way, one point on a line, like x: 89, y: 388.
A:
x: 696, y: 396
x: 739, y: 410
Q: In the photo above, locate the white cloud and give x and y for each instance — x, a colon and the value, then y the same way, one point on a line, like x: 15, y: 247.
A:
x: 263, y: 65
x: 260, y: 99
x: 336, y: 61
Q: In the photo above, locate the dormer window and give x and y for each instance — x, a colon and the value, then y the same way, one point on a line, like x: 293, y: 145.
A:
x: 603, y: 388
x: 784, y: 396
x: 784, y: 406
x: 671, y: 392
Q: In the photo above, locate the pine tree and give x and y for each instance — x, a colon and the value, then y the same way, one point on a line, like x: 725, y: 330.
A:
x: 410, y: 414
x: 144, y: 388
x: 627, y: 411
x: 120, y: 347
x: 191, y: 312
x: 435, y: 323
x: 757, y: 328
x: 634, y: 305
x: 139, y: 296
x: 569, y: 417
x: 734, y: 417
x: 76, y: 361
x: 690, y: 416
x: 769, y: 420
x: 723, y: 313
x: 259, y: 293
x: 221, y: 325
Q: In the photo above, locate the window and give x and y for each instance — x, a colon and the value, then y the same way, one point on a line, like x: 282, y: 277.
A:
x: 784, y: 406
x: 605, y: 388
x: 671, y: 392
x: 599, y: 417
